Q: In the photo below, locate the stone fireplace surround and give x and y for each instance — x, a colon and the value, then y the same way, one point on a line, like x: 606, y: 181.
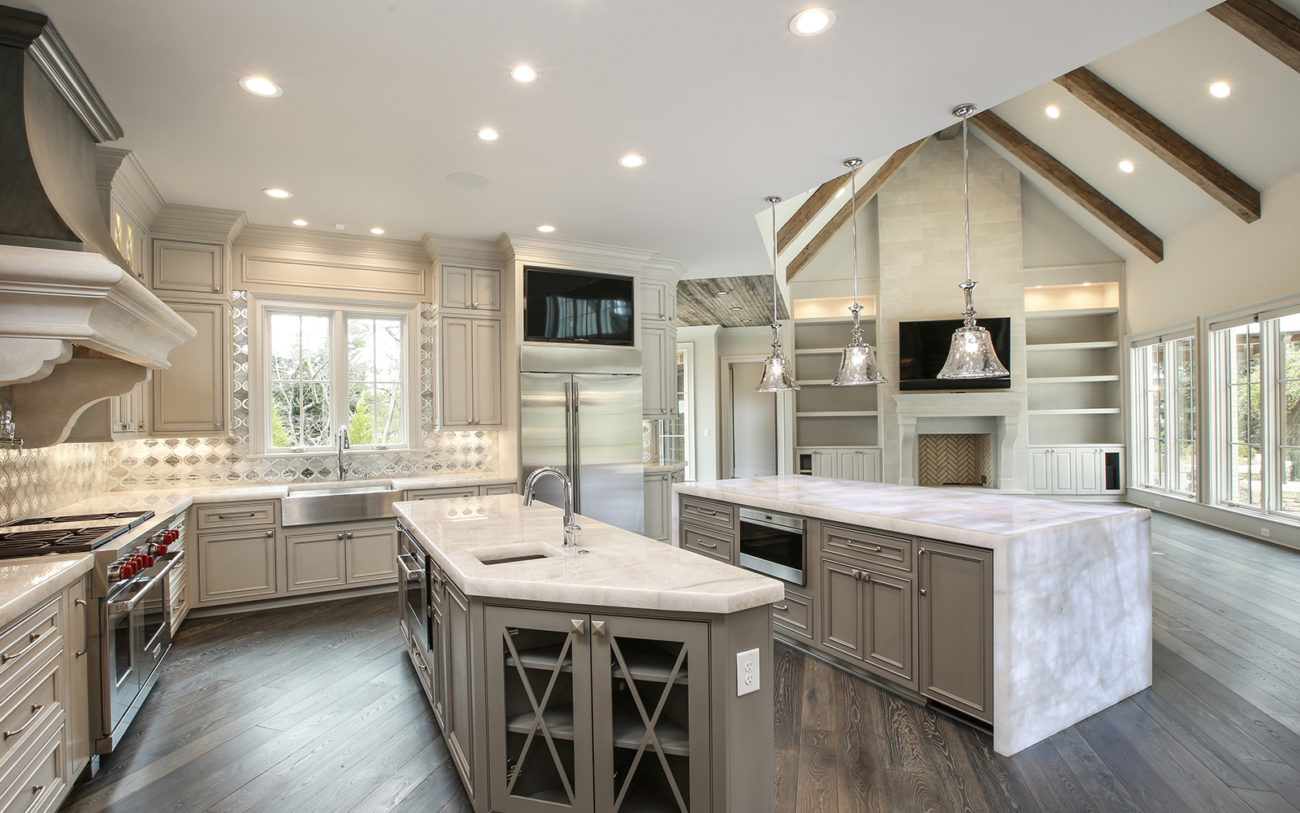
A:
x: 999, y: 414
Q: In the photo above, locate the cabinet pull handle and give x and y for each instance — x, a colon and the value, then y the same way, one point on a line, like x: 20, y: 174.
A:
x: 577, y: 626
x: 237, y: 516
x: 35, y: 709
x: 866, y: 545
x: 79, y: 654
x: 37, y: 788
x: 708, y: 511
x: 781, y: 607
x: 79, y: 602
x: 33, y: 639
x: 703, y: 544
x: 598, y: 627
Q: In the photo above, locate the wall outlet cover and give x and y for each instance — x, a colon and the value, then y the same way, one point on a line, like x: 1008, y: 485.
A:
x: 746, y: 672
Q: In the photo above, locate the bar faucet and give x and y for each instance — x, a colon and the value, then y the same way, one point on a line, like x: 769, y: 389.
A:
x: 342, y: 441
x: 571, y: 527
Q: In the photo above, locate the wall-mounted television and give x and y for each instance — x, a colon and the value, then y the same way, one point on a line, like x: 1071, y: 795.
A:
x: 923, y: 349
x: 578, y: 307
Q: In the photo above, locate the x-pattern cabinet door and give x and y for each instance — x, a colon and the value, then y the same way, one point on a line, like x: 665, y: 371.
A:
x: 650, y: 701
x: 539, y: 710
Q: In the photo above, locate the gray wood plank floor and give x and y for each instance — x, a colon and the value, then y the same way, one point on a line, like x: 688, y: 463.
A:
x: 317, y: 708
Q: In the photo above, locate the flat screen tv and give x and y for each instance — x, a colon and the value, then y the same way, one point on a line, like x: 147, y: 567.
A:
x: 923, y: 348
x: 577, y: 307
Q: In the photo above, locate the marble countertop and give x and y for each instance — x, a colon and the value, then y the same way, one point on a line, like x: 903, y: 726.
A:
x: 966, y: 516
x: 29, y: 582
x: 619, y: 568
x: 663, y: 468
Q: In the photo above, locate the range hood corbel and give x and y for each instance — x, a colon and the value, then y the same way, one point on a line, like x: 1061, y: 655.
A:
x: 46, y: 410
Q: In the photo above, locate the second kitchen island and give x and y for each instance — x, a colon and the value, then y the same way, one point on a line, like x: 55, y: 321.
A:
x: 607, y: 678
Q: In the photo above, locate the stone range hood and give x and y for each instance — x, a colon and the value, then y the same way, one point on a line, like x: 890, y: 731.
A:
x: 62, y: 280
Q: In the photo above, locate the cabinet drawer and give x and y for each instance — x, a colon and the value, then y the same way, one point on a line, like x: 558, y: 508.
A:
x: 868, y: 547
x: 42, y: 777
x: 713, y: 513
x: 719, y: 547
x: 435, y: 585
x: 26, y: 641
x: 234, y: 515
x: 441, y: 493
x: 793, y: 615
x: 24, y: 711
x: 499, y: 488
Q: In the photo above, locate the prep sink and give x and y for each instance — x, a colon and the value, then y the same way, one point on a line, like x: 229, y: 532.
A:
x: 521, y: 552
x: 319, y: 503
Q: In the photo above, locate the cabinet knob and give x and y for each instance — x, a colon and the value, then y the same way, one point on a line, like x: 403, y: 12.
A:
x: 270, y: 533
x: 348, y: 534
x: 577, y: 626
x: 598, y: 627
x: 922, y: 591
x: 339, y: 535
x: 857, y: 574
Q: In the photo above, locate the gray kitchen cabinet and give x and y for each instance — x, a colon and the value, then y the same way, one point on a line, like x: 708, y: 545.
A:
x: 841, y: 608
x: 658, y: 370
x: 237, y: 565
x: 447, y: 492
x: 470, y: 288
x: 955, y: 609
x: 437, y: 635
x: 315, y: 560
x: 658, y: 496
x: 794, y: 615
x: 866, y: 615
x: 127, y: 412
x: 458, y: 683
x: 190, y: 397
x: 182, y: 266
x: 469, y: 372
x: 333, y: 556
x: 370, y: 553
x: 498, y: 489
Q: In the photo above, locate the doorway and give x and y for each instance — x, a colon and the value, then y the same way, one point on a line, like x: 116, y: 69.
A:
x: 751, y: 430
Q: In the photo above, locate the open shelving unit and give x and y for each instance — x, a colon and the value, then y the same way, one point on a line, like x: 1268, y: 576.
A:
x: 826, y: 416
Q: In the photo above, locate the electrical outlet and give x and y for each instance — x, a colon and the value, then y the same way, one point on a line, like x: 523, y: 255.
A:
x: 746, y: 672
x: 1265, y: 532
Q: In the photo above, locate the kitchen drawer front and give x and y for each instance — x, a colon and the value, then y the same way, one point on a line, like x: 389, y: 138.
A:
x: 868, y: 547
x: 25, y: 711
x: 28, y: 641
x: 235, y: 515
x: 441, y: 493
x: 709, y: 512
x: 39, y: 778
x: 707, y: 543
x: 499, y: 488
x: 793, y: 615
x: 436, y: 591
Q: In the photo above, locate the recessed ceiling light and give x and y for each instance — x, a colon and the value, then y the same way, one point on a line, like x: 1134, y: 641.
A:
x: 1220, y: 90
x: 298, y: 221
x: 260, y: 86
x: 1086, y: 284
x: 468, y: 180
x: 721, y: 293
x: 1126, y: 166
x: 277, y: 193
x: 811, y: 22
x: 1052, y: 111
x: 376, y: 230
x: 737, y: 308
x: 523, y: 73
x: 632, y: 161
x: 340, y: 226
x: 746, y: 321
x: 488, y: 134
x: 546, y: 228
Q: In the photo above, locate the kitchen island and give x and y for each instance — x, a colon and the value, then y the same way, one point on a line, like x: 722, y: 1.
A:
x: 600, y: 678
x: 1024, y: 613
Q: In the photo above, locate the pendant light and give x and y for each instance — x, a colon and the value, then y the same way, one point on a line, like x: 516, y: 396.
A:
x: 858, y: 364
x: 971, y: 354
x: 776, y: 370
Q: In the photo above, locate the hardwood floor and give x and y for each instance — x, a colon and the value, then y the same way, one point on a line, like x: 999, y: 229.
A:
x: 317, y: 708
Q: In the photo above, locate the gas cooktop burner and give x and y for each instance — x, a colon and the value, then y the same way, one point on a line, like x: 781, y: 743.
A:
x: 68, y: 534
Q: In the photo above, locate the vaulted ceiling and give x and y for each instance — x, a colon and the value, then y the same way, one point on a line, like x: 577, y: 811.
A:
x: 382, y: 102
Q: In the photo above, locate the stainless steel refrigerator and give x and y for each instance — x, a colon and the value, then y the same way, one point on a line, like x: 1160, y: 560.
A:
x: 581, y: 412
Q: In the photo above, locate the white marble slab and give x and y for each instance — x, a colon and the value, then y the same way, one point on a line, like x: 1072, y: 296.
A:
x: 619, y: 569
x: 30, y: 581
x: 1071, y: 585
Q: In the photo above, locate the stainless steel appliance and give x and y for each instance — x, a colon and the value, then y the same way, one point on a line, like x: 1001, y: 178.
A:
x: 581, y: 413
x: 413, y: 589
x: 774, y: 544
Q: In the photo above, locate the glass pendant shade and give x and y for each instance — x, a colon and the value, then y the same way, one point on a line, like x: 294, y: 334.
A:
x: 858, y: 361
x: 777, y: 375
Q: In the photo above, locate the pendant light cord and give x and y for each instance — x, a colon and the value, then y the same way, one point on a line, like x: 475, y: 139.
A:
x: 775, y: 325
x: 965, y: 186
x: 853, y: 217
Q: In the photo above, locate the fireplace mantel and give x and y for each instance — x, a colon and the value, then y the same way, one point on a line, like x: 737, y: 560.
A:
x: 1007, y: 408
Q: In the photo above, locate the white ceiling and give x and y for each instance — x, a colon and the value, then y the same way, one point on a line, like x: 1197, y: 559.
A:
x: 382, y: 101
x: 1253, y: 132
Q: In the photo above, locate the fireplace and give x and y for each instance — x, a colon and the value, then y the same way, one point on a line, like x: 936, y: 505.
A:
x: 952, y: 459
x: 978, y: 433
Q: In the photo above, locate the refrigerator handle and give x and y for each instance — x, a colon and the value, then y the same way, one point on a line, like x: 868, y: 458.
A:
x: 568, y: 428
x: 575, y: 435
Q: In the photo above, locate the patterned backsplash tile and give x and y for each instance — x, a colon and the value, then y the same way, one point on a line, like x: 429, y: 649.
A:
x: 39, y: 480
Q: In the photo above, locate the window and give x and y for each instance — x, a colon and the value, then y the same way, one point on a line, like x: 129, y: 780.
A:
x: 1165, y: 389
x: 675, y: 434
x: 1257, y: 391
x: 325, y: 369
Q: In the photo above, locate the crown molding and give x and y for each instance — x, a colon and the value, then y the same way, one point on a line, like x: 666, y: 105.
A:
x: 666, y: 270
x: 447, y: 250
x: 120, y: 173
x: 578, y: 255
x: 351, y: 246
x: 198, y: 223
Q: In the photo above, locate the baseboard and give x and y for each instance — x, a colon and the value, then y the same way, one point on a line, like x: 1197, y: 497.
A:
x: 291, y: 601
x: 1265, y: 529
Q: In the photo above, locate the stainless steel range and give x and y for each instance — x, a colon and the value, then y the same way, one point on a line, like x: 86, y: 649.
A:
x: 132, y: 602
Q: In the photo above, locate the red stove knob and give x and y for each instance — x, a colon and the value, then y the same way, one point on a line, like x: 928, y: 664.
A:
x: 125, y: 571
x: 172, y: 536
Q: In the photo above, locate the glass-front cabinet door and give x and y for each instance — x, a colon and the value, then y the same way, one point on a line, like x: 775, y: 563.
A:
x: 650, y: 701
x: 539, y: 710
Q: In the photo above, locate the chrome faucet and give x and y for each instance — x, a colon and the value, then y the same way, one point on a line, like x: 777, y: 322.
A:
x: 571, y: 527
x: 342, y: 441
x: 9, y: 432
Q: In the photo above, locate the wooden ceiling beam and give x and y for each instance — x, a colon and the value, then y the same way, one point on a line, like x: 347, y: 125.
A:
x: 1192, y: 163
x: 1076, y: 188
x: 816, y: 201
x: 1266, y: 24
x: 864, y: 195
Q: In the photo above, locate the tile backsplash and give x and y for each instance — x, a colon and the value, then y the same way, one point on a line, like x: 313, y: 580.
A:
x: 40, y: 480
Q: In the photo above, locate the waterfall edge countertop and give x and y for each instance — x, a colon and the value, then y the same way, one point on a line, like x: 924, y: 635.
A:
x: 966, y: 516
x: 619, y: 569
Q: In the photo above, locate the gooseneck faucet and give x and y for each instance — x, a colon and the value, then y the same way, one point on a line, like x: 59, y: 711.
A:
x: 342, y: 441
x: 571, y: 527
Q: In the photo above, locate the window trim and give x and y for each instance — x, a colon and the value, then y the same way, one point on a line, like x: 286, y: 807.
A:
x: 1139, y: 451
x: 260, y: 309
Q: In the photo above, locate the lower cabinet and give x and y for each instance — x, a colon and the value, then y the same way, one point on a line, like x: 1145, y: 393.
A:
x: 955, y: 588
x: 458, y: 684
x: 568, y: 694
x: 446, y: 492
x: 1075, y: 470
x: 341, y: 556
x: 237, y: 565
x: 867, y: 616
x: 840, y: 463
x: 659, y: 503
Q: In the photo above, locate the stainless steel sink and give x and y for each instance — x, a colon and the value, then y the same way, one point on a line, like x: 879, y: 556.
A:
x: 316, y: 504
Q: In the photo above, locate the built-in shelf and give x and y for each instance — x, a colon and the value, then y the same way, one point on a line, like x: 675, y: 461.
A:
x: 1066, y: 313
x: 629, y: 729
x: 1072, y: 346
x: 856, y: 413
x: 559, y: 721
x: 815, y: 382
x: 543, y: 657
x: 819, y: 351
x: 1074, y: 379
x: 1081, y: 411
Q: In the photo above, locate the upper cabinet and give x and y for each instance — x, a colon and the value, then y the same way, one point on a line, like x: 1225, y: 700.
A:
x: 476, y: 289
x: 658, y: 348
x: 190, y: 397
x: 469, y: 372
x: 658, y: 300
x: 188, y: 267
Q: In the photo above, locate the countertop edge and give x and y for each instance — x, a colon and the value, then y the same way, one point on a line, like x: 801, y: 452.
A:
x: 18, y: 601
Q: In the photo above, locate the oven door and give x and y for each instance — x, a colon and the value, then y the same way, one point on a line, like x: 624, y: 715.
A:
x: 153, y: 615
x: 773, y: 544
x: 118, y: 666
